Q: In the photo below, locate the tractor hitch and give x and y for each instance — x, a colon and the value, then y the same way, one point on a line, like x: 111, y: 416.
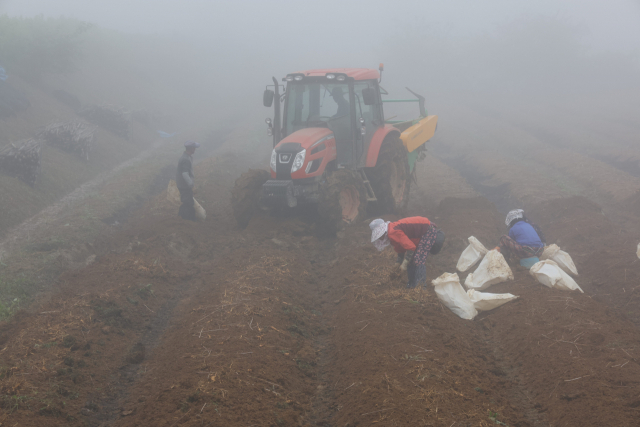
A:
x: 279, y: 192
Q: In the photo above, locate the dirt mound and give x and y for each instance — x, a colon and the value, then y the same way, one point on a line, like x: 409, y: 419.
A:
x: 245, y: 195
x: 604, y: 253
x: 632, y: 204
x: 574, y: 221
x: 342, y: 201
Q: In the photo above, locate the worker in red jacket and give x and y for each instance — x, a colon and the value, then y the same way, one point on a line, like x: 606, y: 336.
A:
x: 413, y: 239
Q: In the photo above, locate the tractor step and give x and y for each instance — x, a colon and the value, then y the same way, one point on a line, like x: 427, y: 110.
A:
x: 371, y: 196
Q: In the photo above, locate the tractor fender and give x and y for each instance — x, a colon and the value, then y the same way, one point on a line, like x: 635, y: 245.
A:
x: 376, y: 143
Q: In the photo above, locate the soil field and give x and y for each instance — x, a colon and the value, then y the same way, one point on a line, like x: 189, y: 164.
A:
x: 203, y: 324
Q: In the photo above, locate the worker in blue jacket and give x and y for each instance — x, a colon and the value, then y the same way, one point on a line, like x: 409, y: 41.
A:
x: 525, y: 239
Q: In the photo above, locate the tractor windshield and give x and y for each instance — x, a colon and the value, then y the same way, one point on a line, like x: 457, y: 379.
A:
x: 318, y: 105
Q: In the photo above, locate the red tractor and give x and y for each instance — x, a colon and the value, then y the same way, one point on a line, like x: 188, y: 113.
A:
x: 334, y: 148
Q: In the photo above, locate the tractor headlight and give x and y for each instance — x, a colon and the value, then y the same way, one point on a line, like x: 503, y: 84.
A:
x: 273, y: 160
x: 331, y: 76
x: 298, y: 78
x: 298, y: 161
x: 341, y: 78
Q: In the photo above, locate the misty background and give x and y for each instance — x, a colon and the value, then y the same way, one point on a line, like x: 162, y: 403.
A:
x: 210, y: 60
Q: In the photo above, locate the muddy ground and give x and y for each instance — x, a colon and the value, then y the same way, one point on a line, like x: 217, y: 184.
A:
x: 179, y: 323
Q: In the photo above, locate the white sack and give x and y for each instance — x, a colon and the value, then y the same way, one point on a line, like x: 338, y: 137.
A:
x: 484, y: 301
x: 551, y: 275
x: 173, y: 194
x: 493, y: 269
x: 201, y: 214
x: 638, y: 253
x: 560, y: 257
x: 452, y: 295
x: 471, y: 255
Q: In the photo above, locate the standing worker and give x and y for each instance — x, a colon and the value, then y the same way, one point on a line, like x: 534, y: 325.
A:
x: 525, y: 240
x: 413, y: 239
x: 184, y: 181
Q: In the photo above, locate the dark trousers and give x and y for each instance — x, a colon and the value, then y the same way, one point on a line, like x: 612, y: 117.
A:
x: 187, y: 209
x: 416, y: 270
x: 416, y: 274
x: 512, y: 249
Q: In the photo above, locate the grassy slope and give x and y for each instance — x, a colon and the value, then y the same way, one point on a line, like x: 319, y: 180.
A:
x: 61, y: 172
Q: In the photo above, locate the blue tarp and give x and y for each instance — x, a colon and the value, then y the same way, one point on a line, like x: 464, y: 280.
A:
x: 164, y: 134
x: 3, y: 74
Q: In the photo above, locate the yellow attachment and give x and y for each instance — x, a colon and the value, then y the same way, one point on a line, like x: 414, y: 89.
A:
x: 419, y: 133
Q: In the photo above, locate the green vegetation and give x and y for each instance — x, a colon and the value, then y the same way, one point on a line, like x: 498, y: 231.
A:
x: 493, y: 416
x: 51, y: 244
x: 36, y: 46
x: 295, y: 329
x: 144, y: 292
x: 14, y: 294
x: 13, y: 403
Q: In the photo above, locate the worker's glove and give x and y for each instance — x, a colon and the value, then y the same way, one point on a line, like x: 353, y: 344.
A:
x: 408, y: 256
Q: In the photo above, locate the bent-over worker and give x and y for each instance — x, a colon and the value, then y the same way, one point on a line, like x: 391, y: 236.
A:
x: 413, y: 239
x: 185, y: 183
x: 525, y: 239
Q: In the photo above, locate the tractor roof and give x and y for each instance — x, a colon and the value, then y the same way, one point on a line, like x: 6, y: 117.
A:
x: 356, y: 73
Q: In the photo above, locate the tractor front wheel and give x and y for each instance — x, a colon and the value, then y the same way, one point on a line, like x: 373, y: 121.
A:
x: 343, y: 201
x: 245, y: 196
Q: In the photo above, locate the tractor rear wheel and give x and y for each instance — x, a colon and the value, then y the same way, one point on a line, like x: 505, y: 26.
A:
x: 390, y: 178
x: 343, y: 201
x: 245, y: 196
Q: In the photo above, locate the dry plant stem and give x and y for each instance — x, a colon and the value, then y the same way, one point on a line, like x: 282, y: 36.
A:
x: 375, y: 412
x: 268, y: 382
x: 554, y: 389
x: 181, y: 418
x: 627, y: 353
x: 577, y: 378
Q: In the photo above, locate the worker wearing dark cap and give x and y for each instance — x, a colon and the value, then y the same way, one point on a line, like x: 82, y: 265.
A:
x: 184, y: 181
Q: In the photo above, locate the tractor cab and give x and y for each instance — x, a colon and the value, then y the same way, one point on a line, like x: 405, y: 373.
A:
x: 345, y: 102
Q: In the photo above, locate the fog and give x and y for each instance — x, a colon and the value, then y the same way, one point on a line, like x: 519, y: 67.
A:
x: 213, y: 58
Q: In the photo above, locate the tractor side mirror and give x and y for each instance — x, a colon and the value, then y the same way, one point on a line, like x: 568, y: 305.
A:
x: 267, y: 98
x: 369, y: 96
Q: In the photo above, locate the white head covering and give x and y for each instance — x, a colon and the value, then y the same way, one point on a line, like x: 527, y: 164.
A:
x: 378, y: 229
x: 514, y: 214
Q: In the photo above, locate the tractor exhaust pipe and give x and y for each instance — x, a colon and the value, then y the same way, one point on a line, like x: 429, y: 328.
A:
x: 277, y: 123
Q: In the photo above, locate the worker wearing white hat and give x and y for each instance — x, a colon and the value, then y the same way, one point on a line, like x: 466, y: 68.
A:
x: 413, y: 239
